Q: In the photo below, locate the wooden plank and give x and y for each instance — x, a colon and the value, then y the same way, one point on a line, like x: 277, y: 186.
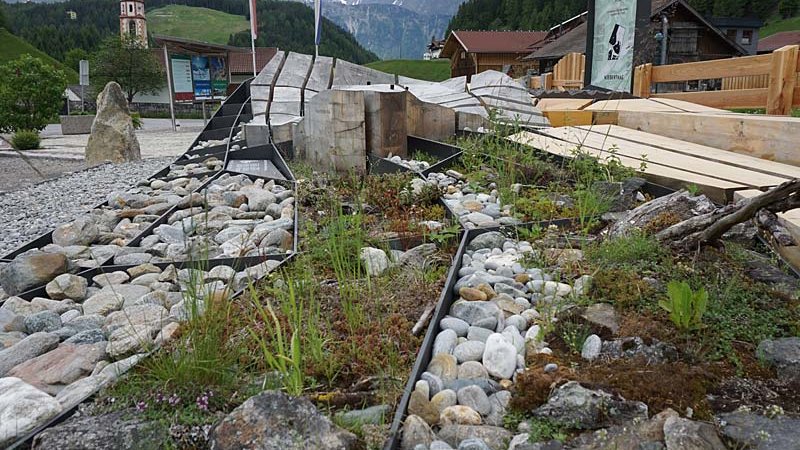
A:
x: 770, y: 138
x: 686, y: 106
x: 561, y: 104
x: 718, y: 190
x: 642, y: 79
x: 745, y: 98
x: 631, y: 105
x: 719, y: 68
x: 653, y: 155
x: 575, y: 118
x: 777, y: 169
x: 782, y: 79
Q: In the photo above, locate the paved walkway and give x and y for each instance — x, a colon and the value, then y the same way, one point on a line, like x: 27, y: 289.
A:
x: 156, y: 139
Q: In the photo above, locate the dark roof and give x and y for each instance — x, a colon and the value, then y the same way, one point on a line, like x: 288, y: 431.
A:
x: 492, y: 41
x: 737, y: 22
x: 778, y: 40
x: 575, y: 39
x: 242, y: 61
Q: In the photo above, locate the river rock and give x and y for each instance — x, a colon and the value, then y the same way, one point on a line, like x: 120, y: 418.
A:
x: 472, y: 370
x: 459, y: 326
x: 416, y: 432
x: 499, y: 357
x: 113, y: 137
x: 57, y: 368
x: 30, y: 347
x: 469, y: 351
x: 134, y: 328
x: 444, y: 366
x: 82, y: 231
x: 113, y: 297
x: 443, y: 399
x: 31, y: 269
x: 591, y: 347
x: 47, y: 321
x: 375, y: 261
x: 475, y: 398
x: 496, y: 438
x: 459, y: 415
x: 445, y: 342
x: 22, y: 408
x: 603, y: 316
x: 67, y: 286
x: 10, y: 321
x: 273, y: 420
x: 106, y: 279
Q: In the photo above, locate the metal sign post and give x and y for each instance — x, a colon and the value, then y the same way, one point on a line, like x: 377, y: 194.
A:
x: 84, y: 81
x: 616, y: 30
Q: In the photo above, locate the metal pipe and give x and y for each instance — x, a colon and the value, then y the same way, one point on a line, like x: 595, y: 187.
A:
x: 664, y: 31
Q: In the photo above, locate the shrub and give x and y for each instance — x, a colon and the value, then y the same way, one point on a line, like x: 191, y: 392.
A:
x: 136, y: 118
x: 685, y: 307
x: 26, y: 140
x: 30, y: 93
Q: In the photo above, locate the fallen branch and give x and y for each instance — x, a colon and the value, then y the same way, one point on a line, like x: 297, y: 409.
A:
x: 423, y: 320
x: 707, y: 228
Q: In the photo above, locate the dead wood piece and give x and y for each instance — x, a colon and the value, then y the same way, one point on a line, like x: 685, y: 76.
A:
x: 342, y: 399
x: 708, y: 228
x: 681, y: 205
x: 423, y: 321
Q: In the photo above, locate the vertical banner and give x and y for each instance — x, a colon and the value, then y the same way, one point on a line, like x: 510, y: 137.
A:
x: 253, y: 23
x: 182, y: 78
x: 219, y: 76
x: 201, y: 77
x: 317, y: 22
x: 615, y: 28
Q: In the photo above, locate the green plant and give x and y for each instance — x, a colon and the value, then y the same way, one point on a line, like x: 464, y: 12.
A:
x: 541, y: 430
x: 136, y: 118
x: 132, y: 65
x: 30, y: 94
x: 574, y: 334
x: 633, y: 250
x: 26, y: 140
x: 692, y: 189
x: 685, y: 306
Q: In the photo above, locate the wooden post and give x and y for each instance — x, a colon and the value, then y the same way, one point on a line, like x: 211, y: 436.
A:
x: 782, y: 80
x: 547, y: 81
x: 642, y: 79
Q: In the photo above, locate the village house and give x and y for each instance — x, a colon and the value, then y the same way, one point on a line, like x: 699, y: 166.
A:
x: 472, y: 52
x: 690, y: 37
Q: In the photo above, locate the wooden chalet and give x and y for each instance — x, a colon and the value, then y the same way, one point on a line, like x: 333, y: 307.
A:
x: 472, y: 52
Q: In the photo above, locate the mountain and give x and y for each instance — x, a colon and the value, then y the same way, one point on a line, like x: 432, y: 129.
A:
x: 201, y: 24
x: 12, y: 47
x: 437, y: 7
x: 285, y: 24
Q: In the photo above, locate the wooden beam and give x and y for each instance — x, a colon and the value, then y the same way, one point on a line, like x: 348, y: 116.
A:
x: 718, y: 190
x: 639, y: 104
x: 562, y: 104
x: 782, y: 80
x: 650, y: 155
x: 642, y: 79
x: 755, y: 164
x: 745, y: 98
x: 771, y: 138
x: 567, y: 118
x: 719, y: 68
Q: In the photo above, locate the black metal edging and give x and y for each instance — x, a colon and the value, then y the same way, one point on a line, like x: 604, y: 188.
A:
x: 66, y: 414
x: 443, y: 305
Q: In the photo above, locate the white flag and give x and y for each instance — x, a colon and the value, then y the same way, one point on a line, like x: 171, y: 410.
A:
x: 317, y: 21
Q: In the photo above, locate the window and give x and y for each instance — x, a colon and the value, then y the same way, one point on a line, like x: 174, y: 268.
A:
x: 132, y: 27
x: 747, y: 37
x: 130, y: 8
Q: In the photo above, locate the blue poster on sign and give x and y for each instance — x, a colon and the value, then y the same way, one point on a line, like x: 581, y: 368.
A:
x: 201, y: 76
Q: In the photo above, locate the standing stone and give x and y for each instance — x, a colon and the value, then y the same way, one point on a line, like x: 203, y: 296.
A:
x: 30, y: 270
x: 22, y: 408
x: 113, y: 136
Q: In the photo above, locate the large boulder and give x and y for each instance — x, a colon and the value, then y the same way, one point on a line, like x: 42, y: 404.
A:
x: 273, y: 420
x: 121, y: 430
x: 31, y: 269
x: 113, y: 138
x: 783, y: 354
x: 584, y: 408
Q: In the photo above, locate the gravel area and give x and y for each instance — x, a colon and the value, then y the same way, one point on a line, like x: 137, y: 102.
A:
x: 36, y: 209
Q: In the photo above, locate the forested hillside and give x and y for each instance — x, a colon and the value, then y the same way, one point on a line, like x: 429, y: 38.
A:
x: 543, y: 14
x: 285, y: 24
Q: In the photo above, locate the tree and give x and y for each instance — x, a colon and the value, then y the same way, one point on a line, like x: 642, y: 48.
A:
x: 788, y: 8
x: 3, y: 21
x: 30, y: 94
x: 73, y: 57
x: 126, y: 61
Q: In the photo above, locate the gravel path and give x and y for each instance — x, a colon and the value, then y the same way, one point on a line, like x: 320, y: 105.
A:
x: 36, y: 209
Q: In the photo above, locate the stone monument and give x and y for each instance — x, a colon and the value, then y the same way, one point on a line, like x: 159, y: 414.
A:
x: 113, y: 138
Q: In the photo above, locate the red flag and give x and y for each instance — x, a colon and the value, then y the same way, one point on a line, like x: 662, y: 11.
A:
x: 253, y: 25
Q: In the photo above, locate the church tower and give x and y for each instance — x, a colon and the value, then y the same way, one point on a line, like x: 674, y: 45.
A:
x: 132, y: 20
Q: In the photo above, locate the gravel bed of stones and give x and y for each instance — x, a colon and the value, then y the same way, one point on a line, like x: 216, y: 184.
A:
x: 474, y: 209
x: 236, y: 142
x: 235, y: 216
x: 56, y: 350
x: 208, y: 166
x: 31, y: 212
x: 480, y: 347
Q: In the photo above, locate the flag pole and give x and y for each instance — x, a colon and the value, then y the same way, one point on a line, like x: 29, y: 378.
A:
x: 317, y: 26
x: 253, y: 32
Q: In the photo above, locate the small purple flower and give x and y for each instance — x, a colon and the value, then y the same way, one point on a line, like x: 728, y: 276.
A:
x: 141, y: 406
x: 160, y: 398
x: 202, y: 402
x: 173, y: 400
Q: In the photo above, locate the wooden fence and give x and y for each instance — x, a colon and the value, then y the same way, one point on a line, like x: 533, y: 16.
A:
x: 764, y: 81
x: 566, y: 74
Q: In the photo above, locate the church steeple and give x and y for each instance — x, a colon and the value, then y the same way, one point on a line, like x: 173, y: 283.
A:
x: 132, y: 20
